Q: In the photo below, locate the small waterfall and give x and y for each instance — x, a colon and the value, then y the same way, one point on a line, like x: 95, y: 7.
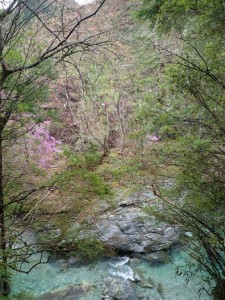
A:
x: 120, y: 269
x: 84, y: 2
x: 122, y: 272
x: 119, y: 261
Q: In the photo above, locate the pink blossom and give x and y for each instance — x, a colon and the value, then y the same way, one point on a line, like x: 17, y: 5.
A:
x: 2, y: 94
x: 47, y: 145
x: 153, y: 138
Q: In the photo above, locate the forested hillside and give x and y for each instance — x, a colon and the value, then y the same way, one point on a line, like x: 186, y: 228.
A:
x: 112, y: 149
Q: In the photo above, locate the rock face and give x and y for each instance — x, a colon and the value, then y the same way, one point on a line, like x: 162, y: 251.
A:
x: 119, y: 289
x: 129, y: 229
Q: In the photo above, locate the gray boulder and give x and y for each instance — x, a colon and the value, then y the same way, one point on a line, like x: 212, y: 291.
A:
x: 129, y: 229
x: 119, y: 289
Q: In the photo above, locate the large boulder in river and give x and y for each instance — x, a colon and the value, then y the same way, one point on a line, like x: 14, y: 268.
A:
x: 129, y: 229
x: 119, y: 289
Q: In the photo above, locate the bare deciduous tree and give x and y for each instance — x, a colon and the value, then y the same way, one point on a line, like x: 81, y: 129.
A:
x: 35, y: 38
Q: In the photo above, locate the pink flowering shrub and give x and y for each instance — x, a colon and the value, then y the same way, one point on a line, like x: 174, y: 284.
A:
x: 46, y: 149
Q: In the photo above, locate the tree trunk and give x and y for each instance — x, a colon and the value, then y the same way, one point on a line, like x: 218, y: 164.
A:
x: 4, y: 285
x: 3, y: 244
x: 219, y: 290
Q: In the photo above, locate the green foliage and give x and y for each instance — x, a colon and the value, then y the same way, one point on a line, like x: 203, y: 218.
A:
x: 13, y: 57
x: 88, y: 160
x: 89, y: 249
x: 176, y: 14
x: 71, y: 242
x: 185, y: 107
x: 28, y: 90
x: 82, y: 175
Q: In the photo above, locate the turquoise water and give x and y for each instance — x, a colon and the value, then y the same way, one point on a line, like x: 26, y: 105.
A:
x: 174, y: 286
x: 58, y: 276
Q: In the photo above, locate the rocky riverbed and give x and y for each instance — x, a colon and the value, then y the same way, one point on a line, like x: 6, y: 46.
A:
x: 144, y: 268
x: 120, y: 278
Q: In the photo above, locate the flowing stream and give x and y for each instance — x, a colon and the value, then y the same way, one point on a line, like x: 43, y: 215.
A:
x: 55, y: 279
